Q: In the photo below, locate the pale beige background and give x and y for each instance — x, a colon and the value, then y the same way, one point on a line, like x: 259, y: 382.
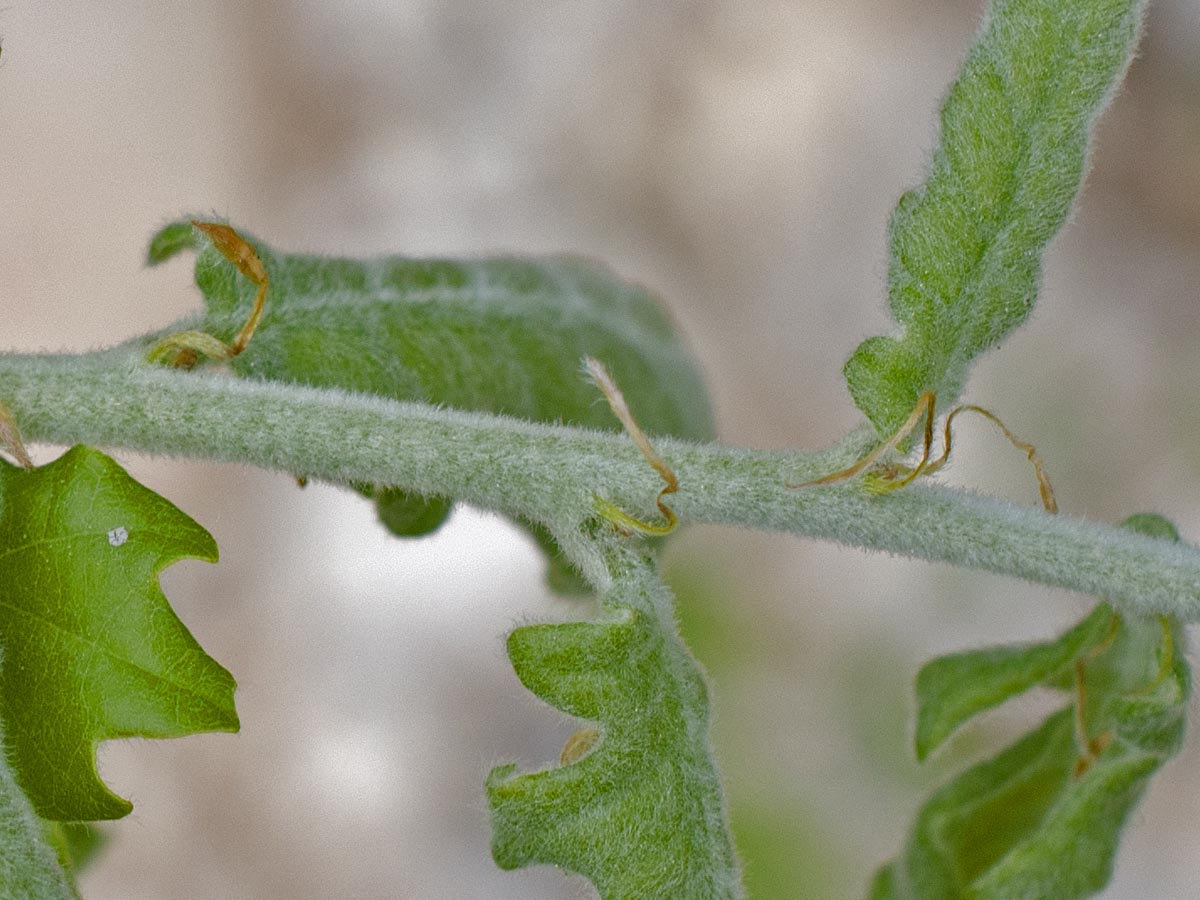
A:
x: 742, y: 158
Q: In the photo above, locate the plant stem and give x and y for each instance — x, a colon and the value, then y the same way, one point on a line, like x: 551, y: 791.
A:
x: 551, y: 474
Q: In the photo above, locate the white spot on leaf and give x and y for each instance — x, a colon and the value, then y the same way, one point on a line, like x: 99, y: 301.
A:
x: 118, y: 536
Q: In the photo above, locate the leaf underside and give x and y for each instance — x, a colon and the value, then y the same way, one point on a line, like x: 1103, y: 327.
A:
x: 500, y: 335
x: 641, y: 815
x: 1042, y: 819
x: 955, y: 688
x: 92, y: 650
x: 966, y: 247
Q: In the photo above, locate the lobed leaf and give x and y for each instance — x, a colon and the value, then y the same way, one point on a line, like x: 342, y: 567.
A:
x: 641, y: 814
x: 92, y: 649
x: 1042, y: 820
x: 966, y: 247
x: 952, y: 689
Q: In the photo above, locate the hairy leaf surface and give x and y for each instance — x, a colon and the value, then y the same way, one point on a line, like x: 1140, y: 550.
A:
x: 641, y: 815
x: 500, y: 335
x: 92, y: 650
x: 954, y: 688
x: 966, y: 247
x: 1042, y: 820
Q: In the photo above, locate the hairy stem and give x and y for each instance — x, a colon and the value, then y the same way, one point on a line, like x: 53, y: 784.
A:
x: 551, y: 474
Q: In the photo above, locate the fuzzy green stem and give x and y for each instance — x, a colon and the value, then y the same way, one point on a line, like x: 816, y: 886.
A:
x: 550, y: 474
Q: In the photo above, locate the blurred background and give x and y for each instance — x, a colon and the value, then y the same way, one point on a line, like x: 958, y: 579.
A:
x: 741, y: 159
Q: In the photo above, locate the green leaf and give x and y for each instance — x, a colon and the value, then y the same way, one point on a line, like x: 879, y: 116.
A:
x: 30, y: 868
x: 970, y: 823
x: 92, y: 649
x: 29, y: 864
x: 405, y: 514
x: 500, y: 335
x: 952, y: 689
x: 641, y: 815
x: 1042, y: 820
x: 76, y: 843
x: 171, y: 239
x: 966, y: 247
